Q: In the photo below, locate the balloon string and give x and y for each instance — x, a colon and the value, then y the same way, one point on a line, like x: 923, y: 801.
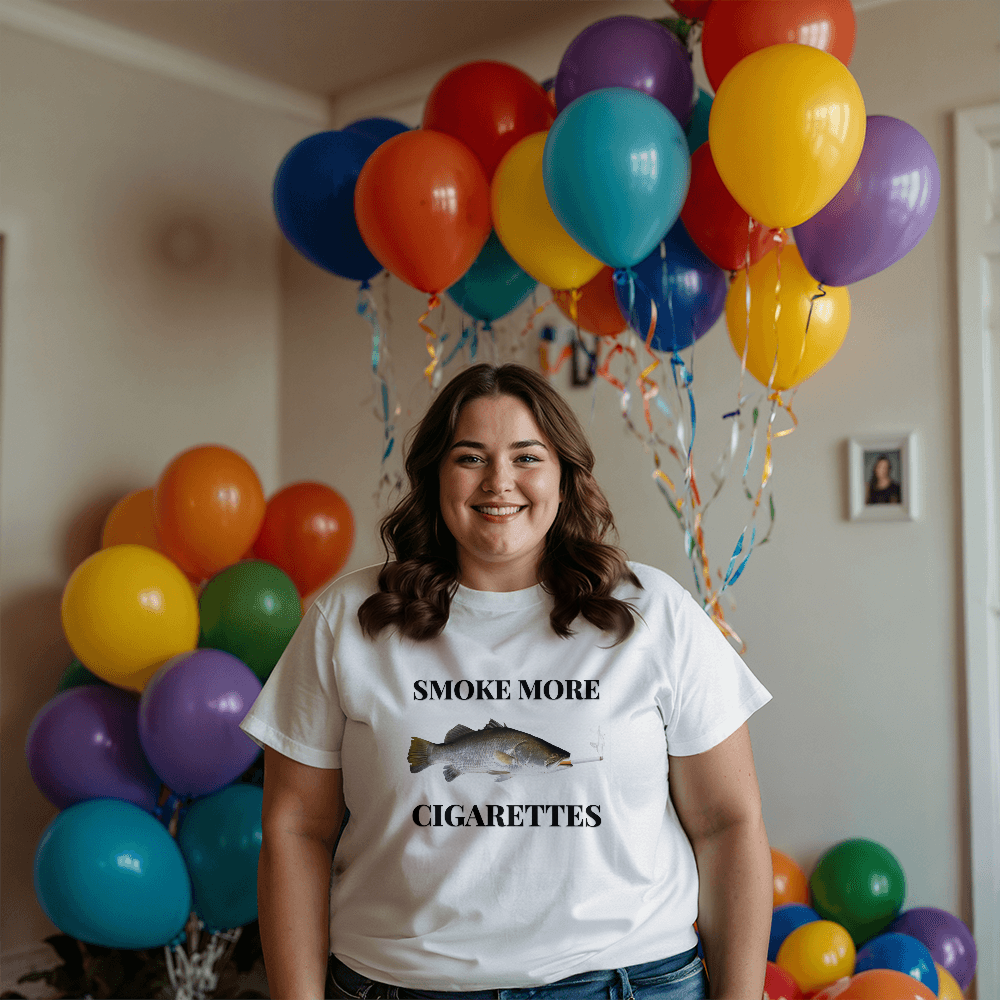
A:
x: 432, y: 303
x: 530, y: 324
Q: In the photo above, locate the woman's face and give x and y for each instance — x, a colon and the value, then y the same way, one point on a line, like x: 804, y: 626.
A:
x: 882, y: 470
x: 499, y: 486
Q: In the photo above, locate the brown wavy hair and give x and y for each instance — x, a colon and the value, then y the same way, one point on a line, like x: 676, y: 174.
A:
x: 578, y: 568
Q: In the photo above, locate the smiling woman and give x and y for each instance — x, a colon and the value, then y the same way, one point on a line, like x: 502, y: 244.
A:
x: 499, y: 706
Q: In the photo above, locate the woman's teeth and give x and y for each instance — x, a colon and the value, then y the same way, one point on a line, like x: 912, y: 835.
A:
x: 498, y: 511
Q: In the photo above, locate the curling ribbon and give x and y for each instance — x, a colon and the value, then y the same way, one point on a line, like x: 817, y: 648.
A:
x: 432, y: 303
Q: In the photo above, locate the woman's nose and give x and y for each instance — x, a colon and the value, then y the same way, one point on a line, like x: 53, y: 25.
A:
x: 498, y: 478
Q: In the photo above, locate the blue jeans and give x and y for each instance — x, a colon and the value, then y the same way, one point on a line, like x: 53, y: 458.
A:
x: 681, y: 977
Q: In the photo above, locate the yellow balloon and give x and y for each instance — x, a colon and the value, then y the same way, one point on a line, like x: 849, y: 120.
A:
x: 786, y: 131
x: 817, y: 954
x: 800, y: 354
x: 948, y: 988
x: 125, y: 610
x: 527, y: 226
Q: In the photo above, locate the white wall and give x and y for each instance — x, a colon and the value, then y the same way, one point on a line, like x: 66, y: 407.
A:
x: 141, y: 317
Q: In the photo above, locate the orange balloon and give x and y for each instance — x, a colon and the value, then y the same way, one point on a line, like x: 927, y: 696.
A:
x: 422, y: 204
x: 597, y: 308
x: 208, y: 506
x: 884, y: 984
x: 308, y: 532
x: 131, y: 522
x: 790, y: 882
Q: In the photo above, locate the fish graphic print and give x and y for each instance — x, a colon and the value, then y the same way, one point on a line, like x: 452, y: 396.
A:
x: 494, y: 749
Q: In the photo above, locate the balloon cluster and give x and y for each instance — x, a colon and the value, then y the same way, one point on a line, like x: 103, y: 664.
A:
x: 843, y: 934
x: 175, y: 623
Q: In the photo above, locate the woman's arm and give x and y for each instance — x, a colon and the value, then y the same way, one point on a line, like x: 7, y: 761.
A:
x: 302, y: 812
x: 718, y: 802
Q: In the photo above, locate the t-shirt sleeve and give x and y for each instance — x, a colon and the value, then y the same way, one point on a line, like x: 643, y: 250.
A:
x: 298, y: 712
x: 713, y: 692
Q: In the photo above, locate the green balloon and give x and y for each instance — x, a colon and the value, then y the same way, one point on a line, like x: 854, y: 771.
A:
x: 77, y: 675
x: 250, y: 609
x: 860, y: 885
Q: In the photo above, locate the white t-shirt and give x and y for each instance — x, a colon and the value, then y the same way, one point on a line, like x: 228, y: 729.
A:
x: 475, y: 858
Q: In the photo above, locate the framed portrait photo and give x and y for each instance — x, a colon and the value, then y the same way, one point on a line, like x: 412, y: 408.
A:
x: 883, y: 479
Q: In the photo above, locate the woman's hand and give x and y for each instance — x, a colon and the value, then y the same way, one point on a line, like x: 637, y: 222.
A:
x: 302, y: 813
x: 718, y: 803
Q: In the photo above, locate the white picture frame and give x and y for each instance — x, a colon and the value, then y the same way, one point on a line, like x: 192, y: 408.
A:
x: 872, y: 497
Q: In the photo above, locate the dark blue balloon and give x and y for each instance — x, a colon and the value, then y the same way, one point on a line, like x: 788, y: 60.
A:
x: 314, y: 202
x: 785, y: 919
x: 377, y: 129
x: 902, y: 953
x: 688, y: 289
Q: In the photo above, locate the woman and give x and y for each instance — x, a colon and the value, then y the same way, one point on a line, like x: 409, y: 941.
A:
x: 492, y: 704
x: 882, y: 488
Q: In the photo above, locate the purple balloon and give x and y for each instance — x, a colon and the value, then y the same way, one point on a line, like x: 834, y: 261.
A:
x: 627, y: 51
x: 189, y: 721
x: 880, y: 214
x: 946, y: 936
x: 84, y: 744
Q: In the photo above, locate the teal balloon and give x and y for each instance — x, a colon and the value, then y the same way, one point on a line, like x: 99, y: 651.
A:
x: 616, y: 168
x: 493, y: 286
x: 108, y: 873
x: 697, y: 127
x: 250, y: 609
x: 220, y: 839
x: 77, y: 675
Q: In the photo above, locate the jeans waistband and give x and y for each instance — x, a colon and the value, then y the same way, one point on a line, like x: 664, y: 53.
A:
x: 346, y: 976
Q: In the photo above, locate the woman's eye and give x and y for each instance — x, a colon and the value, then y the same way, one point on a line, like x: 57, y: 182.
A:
x: 528, y: 459
x: 469, y: 459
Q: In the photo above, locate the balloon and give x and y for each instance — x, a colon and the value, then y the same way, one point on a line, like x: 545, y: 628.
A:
x: 125, y: 610
x: 616, y: 170
x: 109, y: 874
x: 785, y: 919
x: 527, y: 226
x: 779, y: 984
x: 313, y: 199
x: 131, y: 522
x: 816, y: 954
x: 308, y: 532
x: 900, y: 952
x: 948, y: 938
x: 376, y: 130
x: 948, y: 988
x: 632, y: 52
x: 422, y: 206
x: 77, y: 675
x: 490, y: 107
x: 736, y: 28
x: 688, y: 289
x: 220, y: 840
x: 860, y: 884
x: 493, y: 286
x: 693, y: 9
x: 597, y: 307
x: 251, y: 610
x: 719, y: 227
x: 799, y: 353
x: 209, y: 506
x: 881, y: 213
x: 790, y: 882
x: 84, y: 744
x: 189, y: 721
x: 882, y: 984
x: 697, y: 127
x: 786, y: 130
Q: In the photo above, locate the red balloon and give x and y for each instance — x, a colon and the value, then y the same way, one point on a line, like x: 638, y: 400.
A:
x: 779, y: 984
x: 719, y: 227
x: 422, y: 204
x: 490, y: 106
x: 736, y: 28
x: 694, y: 10
x: 308, y: 532
x: 597, y: 308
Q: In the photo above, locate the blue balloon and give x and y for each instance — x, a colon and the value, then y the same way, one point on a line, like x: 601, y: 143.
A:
x: 220, y: 839
x: 108, y: 873
x: 494, y: 285
x: 902, y: 953
x: 314, y: 202
x: 616, y: 169
x: 377, y: 129
x: 697, y: 127
x: 688, y: 289
x: 785, y: 919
